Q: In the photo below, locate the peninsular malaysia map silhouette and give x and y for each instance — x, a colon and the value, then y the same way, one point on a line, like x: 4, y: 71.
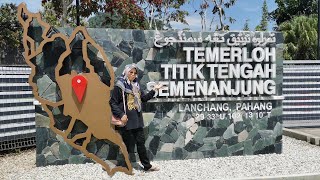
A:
x: 76, y: 90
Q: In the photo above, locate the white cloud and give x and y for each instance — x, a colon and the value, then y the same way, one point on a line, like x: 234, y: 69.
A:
x: 194, y: 22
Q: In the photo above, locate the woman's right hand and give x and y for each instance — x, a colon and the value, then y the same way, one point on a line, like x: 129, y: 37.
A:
x: 124, y: 119
x: 158, y: 86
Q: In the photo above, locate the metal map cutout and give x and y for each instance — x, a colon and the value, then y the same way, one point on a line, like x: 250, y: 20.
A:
x: 54, y: 57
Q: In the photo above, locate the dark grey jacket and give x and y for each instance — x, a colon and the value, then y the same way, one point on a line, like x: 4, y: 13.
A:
x: 135, y: 119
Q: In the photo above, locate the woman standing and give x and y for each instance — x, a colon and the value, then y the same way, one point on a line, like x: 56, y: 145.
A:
x: 132, y: 133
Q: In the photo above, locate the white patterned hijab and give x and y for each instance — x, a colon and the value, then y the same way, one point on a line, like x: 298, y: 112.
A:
x: 130, y: 87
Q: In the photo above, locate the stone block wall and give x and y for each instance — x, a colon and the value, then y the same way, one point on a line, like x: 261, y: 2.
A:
x: 171, y: 134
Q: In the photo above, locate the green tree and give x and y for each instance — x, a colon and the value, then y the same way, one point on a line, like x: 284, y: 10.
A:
x: 219, y: 9
x: 11, y: 32
x: 165, y: 11
x: 50, y: 15
x: 98, y: 21
x: 128, y: 13
x: 60, y: 13
x: 120, y: 13
x: 263, y: 26
x: 246, y: 25
x: 288, y: 9
x: 204, y: 5
x: 300, y: 38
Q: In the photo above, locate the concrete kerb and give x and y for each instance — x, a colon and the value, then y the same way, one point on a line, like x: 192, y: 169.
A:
x: 311, y: 176
x: 302, y: 136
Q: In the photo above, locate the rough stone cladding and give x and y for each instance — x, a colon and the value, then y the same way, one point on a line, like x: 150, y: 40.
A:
x: 169, y: 134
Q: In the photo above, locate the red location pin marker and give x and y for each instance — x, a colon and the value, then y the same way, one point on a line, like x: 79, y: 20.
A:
x: 79, y: 86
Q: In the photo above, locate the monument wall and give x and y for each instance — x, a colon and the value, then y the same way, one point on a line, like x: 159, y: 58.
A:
x: 222, y: 94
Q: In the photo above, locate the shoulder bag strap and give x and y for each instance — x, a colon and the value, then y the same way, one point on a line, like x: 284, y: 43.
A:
x: 124, y: 103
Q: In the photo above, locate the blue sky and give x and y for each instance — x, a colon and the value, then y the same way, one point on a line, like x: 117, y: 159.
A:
x: 32, y: 5
x: 242, y: 10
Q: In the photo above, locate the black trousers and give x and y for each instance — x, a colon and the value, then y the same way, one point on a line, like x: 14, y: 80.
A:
x: 136, y: 137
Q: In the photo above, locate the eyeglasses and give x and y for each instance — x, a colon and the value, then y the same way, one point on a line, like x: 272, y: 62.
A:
x: 131, y: 72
